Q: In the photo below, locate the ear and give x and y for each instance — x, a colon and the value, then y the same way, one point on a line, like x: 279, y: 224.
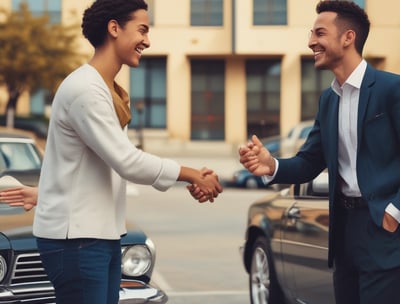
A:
x: 112, y: 28
x: 349, y: 38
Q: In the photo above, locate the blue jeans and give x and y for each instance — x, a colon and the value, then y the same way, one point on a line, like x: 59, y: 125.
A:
x: 83, y: 271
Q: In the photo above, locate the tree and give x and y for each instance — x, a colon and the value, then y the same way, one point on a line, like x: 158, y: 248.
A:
x: 34, y: 54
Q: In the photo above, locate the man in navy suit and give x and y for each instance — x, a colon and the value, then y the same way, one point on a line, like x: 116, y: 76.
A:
x: 356, y: 136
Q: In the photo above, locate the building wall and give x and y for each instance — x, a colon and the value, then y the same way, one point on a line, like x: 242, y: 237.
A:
x: 173, y: 37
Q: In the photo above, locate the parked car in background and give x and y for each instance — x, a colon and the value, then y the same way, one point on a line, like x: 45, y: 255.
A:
x: 22, y: 277
x: 295, y: 138
x: 286, y: 246
x: 20, y: 156
x: 37, y: 125
x: 273, y: 144
x: 244, y: 179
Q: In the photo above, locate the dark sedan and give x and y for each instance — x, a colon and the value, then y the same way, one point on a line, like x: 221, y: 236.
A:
x: 286, y: 247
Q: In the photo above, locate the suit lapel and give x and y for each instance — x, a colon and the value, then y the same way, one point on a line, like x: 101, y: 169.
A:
x: 365, y: 93
x: 332, y: 130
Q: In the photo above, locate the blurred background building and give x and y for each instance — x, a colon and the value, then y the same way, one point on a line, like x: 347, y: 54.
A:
x: 218, y: 71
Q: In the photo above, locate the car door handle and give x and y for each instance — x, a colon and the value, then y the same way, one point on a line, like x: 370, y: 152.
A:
x: 294, y: 213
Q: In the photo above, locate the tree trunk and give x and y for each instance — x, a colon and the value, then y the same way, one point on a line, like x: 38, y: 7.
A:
x: 10, y: 117
x: 11, y: 106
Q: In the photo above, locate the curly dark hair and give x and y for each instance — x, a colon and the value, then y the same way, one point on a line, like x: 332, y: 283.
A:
x: 97, y: 16
x: 349, y: 16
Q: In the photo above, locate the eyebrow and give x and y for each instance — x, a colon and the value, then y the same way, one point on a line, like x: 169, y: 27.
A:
x: 145, y: 26
x: 318, y: 29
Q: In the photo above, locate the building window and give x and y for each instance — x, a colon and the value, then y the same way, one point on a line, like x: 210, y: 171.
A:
x: 206, y: 12
x: 313, y: 83
x: 263, y: 94
x: 42, y: 7
x: 148, y: 94
x: 208, y: 99
x: 269, y: 12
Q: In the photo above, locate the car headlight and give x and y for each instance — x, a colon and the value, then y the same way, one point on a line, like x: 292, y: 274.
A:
x: 136, y: 260
x: 3, y: 268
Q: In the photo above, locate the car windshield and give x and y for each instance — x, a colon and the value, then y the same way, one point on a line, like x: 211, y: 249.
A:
x: 18, y: 156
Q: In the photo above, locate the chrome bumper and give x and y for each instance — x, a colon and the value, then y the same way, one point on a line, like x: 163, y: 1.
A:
x: 137, y: 292
x: 131, y: 292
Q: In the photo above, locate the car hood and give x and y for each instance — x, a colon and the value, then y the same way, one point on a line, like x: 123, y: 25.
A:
x: 16, y: 228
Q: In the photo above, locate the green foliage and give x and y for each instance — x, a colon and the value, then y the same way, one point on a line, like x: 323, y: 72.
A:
x: 35, y: 54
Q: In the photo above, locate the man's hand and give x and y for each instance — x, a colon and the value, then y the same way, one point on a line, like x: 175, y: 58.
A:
x: 256, y: 158
x: 389, y: 223
x: 24, y: 196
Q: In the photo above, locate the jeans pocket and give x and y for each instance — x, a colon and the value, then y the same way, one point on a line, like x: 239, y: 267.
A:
x: 87, y: 242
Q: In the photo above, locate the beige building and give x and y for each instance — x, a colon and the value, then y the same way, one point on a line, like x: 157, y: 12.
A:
x: 220, y: 70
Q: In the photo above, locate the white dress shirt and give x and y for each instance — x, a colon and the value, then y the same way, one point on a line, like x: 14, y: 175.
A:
x: 349, y: 94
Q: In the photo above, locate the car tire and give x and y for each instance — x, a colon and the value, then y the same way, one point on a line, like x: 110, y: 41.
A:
x: 251, y: 183
x: 262, y: 281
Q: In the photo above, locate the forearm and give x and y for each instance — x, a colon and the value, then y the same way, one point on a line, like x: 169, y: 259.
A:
x: 189, y: 175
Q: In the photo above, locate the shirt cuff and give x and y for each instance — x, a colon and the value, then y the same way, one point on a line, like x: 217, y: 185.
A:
x: 393, y: 211
x: 269, y: 178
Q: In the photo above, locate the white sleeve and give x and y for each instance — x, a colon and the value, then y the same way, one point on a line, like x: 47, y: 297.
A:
x: 93, y: 118
x: 269, y: 178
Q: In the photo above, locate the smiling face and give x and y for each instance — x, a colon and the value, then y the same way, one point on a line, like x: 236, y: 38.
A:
x: 327, y: 42
x: 133, y: 38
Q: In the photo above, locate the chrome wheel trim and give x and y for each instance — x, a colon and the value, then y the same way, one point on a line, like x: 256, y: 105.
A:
x: 260, y: 277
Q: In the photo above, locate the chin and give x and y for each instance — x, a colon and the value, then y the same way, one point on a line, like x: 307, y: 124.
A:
x: 320, y: 66
x: 133, y: 64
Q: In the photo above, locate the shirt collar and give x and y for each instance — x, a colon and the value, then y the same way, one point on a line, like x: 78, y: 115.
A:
x: 354, y: 80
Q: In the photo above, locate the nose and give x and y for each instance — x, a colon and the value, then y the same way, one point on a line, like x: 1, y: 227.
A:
x: 146, y: 41
x: 311, y: 40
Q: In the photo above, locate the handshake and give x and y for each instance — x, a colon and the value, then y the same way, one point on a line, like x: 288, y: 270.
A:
x: 204, y: 185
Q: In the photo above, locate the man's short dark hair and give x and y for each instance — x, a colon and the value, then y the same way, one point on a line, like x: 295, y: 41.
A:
x: 349, y: 17
x: 97, y: 16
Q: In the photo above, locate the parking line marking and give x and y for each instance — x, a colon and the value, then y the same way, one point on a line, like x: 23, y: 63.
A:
x: 207, y: 293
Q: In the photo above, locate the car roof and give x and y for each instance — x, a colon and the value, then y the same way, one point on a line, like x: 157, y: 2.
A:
x: 16, y: 135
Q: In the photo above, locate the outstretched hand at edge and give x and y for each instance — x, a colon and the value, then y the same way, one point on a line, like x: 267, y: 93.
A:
x: 23, y: 196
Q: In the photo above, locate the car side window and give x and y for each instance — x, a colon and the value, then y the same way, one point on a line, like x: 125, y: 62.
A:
x: 18, y: 156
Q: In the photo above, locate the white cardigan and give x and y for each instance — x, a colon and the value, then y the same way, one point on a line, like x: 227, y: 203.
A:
x: 88, y: 157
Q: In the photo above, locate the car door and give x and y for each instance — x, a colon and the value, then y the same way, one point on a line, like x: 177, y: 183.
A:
x: 304, y: 248
x: 305, y: 251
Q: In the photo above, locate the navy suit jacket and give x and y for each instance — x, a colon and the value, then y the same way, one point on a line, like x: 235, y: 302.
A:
x: 378, y: 149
